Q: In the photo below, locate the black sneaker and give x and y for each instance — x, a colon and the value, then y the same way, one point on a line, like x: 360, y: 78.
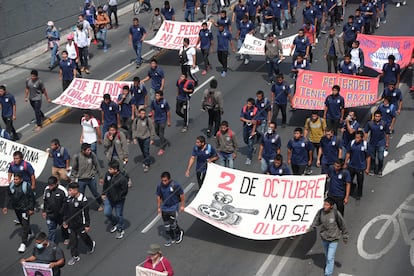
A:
x: 93, y: 248
x: 180, y: 237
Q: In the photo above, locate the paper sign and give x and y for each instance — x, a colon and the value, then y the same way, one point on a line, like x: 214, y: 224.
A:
x: 36, y: 269
x: 142, y: 271
x: 255, y: 46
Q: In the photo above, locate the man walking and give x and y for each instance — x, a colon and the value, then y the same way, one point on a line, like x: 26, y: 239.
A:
x: 101, y: 24
x: 170, y: 200
x: 115, y: 145
x: 333, y: 50
x: 339, y: 185
x: 110, y: 113
x: 300, y: 152
x: 212, y: 102
x: 126, y: 103
x: 188, y: 62
x: 334, y: 109
x: 143, y: 133
x: 280, y: 96
x: 113, y: 9
x: 202, y: 154
x: 91, y: 131
x: 329, y: 151
x: 137, y: 35
x: 67, y: 70
x: 205, y: 40
x: 18, y: 165
x: 33, y: 93
x: 224, y: 39
x: 85, y: 170
x: 332, y: 229
x: 8, y: 111
x: 156, y: 74
x: 76, y: 220
x: 185, y: 88
x: 160, y: 113
x: 115, y: 190
x: 273, y: 53
x: 61, y: 160
x: 54, y: 198
x: 226, y: 145
x: 269, y: 147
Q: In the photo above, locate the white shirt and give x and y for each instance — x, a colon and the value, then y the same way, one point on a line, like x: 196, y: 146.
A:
x: 71, y: 49
x: 81, y: 38
x: 190, y: 51
x: 355, y: 57
x: 113, y: 2
x: 89, y: 131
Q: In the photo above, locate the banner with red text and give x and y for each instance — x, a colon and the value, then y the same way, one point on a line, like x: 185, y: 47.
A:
x: 313, y: 87
x: 37, y: 158
x: 171, y: 34
x: 255, y: 46
x: 88, y: 94
x: 377, y: 49
x: 258, y: 206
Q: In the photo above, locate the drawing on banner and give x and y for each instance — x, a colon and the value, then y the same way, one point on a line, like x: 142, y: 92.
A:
x: 36, y: 269
x: 397, y: 222
x: 220, y: 210
x: 258, y: 206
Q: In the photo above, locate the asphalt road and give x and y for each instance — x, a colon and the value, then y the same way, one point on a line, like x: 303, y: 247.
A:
x: 205, y: 249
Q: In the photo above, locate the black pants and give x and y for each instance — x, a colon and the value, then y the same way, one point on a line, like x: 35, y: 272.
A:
x: 170, y: 223
x: 339, y: 202
x: 181, y: 109
x: 83, y: 56
x: 200, y: 178
x: 222, y: 57
x: 277, y: 22
x: 276, y: 108
x: 65, y: 84
x: 360, y: 179
x: 318, y: 26
x: 126, y: 124
x: 205, y: 53
x: 298, y: 169
x: 214, y: 117
x: 8, y: 121
x: 332, y: 124
x: 332, y: 60
x: 37, y: 105
x: 186, y: 69
x: 73, y: 240
x: 24, y: 220
x: 113, y: 10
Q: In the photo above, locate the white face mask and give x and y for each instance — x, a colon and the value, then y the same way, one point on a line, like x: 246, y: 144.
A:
x: 269, y: 130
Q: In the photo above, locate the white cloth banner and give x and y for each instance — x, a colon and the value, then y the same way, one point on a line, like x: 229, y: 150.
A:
x: 37, y: 158
x: 88, y: 94
x: 258, y: 206
x: 142, y: 271
x: 171, y: 34
x: 34, y: 269
x: 255, y: 46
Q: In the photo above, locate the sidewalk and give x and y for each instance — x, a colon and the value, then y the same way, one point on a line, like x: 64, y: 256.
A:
x: 38, y: 49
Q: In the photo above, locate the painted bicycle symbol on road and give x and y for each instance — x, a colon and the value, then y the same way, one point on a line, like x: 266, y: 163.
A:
x: 398, y: 222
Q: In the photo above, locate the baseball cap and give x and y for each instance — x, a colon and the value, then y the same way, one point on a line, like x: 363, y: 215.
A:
x: 50, y: 23
x: 69, y: 36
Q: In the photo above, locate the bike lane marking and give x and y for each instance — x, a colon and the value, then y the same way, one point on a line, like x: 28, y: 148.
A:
x: 271, y: 257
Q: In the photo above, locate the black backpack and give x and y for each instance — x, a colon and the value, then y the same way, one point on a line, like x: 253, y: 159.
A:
x: 182, y: 57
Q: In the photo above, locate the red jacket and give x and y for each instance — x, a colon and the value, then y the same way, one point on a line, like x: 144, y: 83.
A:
x: 162, y: 266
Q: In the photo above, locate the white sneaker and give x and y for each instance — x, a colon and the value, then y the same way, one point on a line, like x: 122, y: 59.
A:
x: 30, y: 236
x: 241, y: 57
x: 21, y: 248
x: 397, y: 5
x: 404, y: 3
x: 246, y: 61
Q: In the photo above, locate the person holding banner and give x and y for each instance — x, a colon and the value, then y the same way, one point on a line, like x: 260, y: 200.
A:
x: 137, y: 35
x: 280, y: 94
x: 156, y: 74
x: 23, y: 201
x: 277, y: 167
x: 269, y: 147
x: 226, y: 144
x: 170, y: 200
x: 346, y: 66
x: 334, y: 109
x: 358, y: 161
x: 273, y: 55
x: 202, y: 154
x: 248, y: 116
x: 47, y: 252
x: 329, y: 151
x: 8, y: 111
x: 205, y: 40
x: 245, y: 27
x: 332, y: 229
x: 110, y: 114
x: 18, y: 165
x: 300, y: 153
x: 157, y: 262
x: 224, y: 38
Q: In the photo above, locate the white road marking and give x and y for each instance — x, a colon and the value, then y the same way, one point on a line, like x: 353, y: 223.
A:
x: 270, y: 258
x: 286, y: 257
x: 406, y: 138
x: 204, y: 83
x: 392, y: 165
x: 46, y: 114
x: 344, y: 274
x: 158, y: 217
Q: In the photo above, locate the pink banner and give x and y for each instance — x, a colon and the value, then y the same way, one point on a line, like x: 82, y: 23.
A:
x: 88, y: 94
x: 377, y: 49
x: 312, y: 88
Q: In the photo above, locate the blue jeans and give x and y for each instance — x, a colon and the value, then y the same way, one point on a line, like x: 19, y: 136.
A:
x: 37, y: 105
x: 94, y: 147
x: 330, y: 249
x: 118, y: 207
x: 264, y: 164
x: 51, y: 230
x: 226, y: 160
x: 376, y: 151
x: 53, y: 54
x: 189, y: 12
x: 272, y: 66
x: 105, y: 128
x: 248, y: 140
x: 137, y: 48
x: 101, y: 36
x: 91, y: 183
x: 144, y: 145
